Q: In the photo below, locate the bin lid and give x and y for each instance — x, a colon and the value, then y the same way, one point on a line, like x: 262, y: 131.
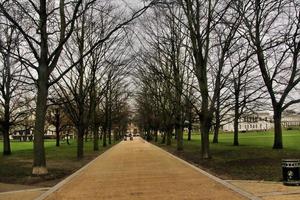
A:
x: 290, y: 160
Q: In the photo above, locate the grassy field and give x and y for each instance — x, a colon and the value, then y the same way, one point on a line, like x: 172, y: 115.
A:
x: 61, y: 162
x: 254, y: 159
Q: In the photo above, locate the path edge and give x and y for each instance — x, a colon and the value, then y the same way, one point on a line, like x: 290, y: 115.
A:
x: 26, y: 190
x: 224, y: 183
x: 70, y: 177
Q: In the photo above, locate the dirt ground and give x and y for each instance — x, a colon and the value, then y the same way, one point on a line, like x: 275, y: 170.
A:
x: 4, y: 187
x: 28, y: 194
x: 138, y: 170
x: 16, y: 192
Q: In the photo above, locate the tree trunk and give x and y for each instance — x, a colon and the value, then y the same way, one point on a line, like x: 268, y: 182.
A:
x: 106, y: 120
x: 6, y: 127
x: 163, y: 141
x: 277, y: 130
x: 96, y: 137
x: 86, y: 136
x: 7, y: 99
x: 216, y: 135
x: 217, y: 128
x: 115, y: 135
x: 179, y: 133
x: 81, y: 130
x: 6, y: 141
x: 101, y: 134
x: 169, y: 137
x: 178, y: 123
x: 39, y: 158
x: 68, y: 139
x: 217, y: 117
x: 104, y: 139
x: 119, y: 135
x: 57, y: 136
x: 190, y: 132
x: 149, y: 135
x: 236, y: 131
x: 109, y: 114
x: 205, y: 120
x: 109, y: 135
x: 108, y: 124
x: 57, y: 126
x: 236, y: 119
x: 204, y: 128
x: 80, y: 139
x: 155, y: 135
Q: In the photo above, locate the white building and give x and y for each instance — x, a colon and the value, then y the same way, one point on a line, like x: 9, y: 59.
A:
x: 290, y: 119
x: 261, y: 121
x: 253, y: 122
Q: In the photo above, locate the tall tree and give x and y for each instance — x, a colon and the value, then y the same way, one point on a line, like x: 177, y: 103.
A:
x: 277, y: 47
x: 46, y: 54
x: 45, y: 38
x: 11, y: 76
x: 246, y: 87
x: 201, y: 19
x: 164, y: 39
x: 223, y: 46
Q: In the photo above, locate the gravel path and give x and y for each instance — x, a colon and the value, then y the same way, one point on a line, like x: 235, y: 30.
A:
x: 138, y: 170
x: 267, y: 190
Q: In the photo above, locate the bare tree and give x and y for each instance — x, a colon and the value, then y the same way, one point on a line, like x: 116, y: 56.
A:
x: 45, y: 38
x: 46, y: 53
x: 57, y: 117
x: 164, y: 40
x: 223, y: 46
x: 202, y: 17
x: 246, y: 86
x: 272, y: 30
x: 11, y: 84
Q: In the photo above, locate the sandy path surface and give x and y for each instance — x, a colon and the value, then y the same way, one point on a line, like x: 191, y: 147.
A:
x: 269, y: 190
x: 138, y: 170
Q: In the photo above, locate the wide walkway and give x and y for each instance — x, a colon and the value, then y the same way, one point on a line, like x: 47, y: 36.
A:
x: 138, y: 170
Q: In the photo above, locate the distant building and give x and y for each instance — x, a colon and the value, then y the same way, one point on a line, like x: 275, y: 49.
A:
x: 68, y: 131
x: 261, y: 122
x: 290, y: 118
x: 25, y: 134
x: 132, y: 128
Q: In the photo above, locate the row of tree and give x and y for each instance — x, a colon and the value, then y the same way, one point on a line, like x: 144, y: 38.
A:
x: 69, y: 55
x: 199, y: 59
x: 209, y: 58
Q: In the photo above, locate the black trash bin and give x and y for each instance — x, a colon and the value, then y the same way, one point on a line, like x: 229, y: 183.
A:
x: 290, y: 171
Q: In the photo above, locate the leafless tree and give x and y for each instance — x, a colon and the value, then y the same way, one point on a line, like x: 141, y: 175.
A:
x: 164, y: 40
x: 246, y: 86
x: 46, y: 27
x: 11, y: 80
x: 272, y: 30
x: 202, y: 19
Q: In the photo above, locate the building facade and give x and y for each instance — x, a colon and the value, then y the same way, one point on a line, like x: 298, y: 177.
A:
x: 261, y: 122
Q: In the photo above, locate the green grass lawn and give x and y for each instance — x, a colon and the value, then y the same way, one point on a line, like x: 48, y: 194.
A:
x: 254, y: 159
x: 61, y: 161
